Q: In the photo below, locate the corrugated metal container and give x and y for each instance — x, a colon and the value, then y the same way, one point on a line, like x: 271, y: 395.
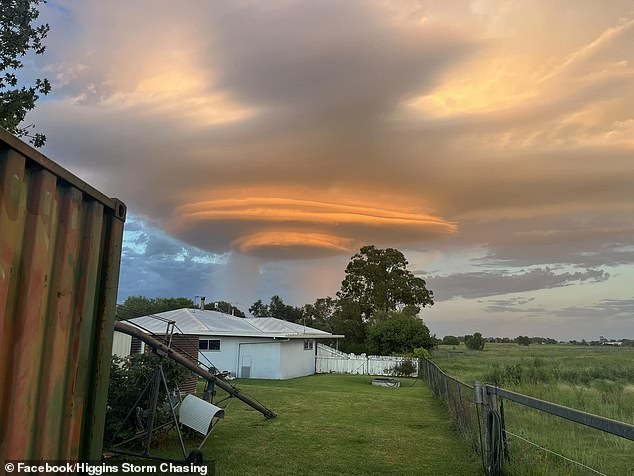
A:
x: 60, y: 250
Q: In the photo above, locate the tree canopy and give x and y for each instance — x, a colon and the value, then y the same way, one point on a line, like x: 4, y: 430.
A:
x: 137, y: 306
x: 276, y: 308
x: 378, y: 280
x: 474, y: 342
x: 226, y: 307
x: 450, y: 340
x: 18, y: 36
x: 523, y: 340
x: 396, y: 332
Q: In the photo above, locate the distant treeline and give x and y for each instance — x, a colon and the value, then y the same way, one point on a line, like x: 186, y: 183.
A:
x: 525, y: 340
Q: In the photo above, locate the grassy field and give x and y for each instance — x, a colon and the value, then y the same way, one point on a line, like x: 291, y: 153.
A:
x: 597, y: 380
x: 339, y: 425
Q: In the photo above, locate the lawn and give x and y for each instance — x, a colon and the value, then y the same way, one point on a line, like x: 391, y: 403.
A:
x: 340, y: 425
x: 597, y: 380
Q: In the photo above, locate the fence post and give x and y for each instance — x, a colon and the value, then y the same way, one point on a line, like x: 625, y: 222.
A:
x: 491, y: 402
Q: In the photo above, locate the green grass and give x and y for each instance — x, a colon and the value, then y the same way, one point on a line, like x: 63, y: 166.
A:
x: 338, y: 425
x: 597, y: 380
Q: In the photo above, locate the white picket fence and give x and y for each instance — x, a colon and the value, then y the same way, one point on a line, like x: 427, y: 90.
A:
x: 330, y: 360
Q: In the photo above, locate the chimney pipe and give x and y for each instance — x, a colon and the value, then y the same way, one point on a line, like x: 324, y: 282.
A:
x: 202, y: 303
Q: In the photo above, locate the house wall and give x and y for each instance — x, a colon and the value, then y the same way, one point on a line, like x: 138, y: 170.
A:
x: 295, y: 361
x: 261, y: 358
x: 232, y: 349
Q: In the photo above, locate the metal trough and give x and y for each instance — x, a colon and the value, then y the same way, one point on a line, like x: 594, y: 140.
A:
x: 386, y: 382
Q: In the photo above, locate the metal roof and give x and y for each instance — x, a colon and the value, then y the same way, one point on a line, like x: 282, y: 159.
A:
x: 199, y: 322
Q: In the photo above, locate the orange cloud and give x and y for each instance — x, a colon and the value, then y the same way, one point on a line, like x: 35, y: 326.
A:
x: 307, y: 211
x: 273, y: 239
x: 268, y: 225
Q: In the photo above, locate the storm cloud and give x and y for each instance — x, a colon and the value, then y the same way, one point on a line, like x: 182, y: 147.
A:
x: 288, y: 132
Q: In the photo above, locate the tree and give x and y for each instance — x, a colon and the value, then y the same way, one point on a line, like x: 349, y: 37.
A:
x: 394, y: 332
x: 128, y: 378
x: 137, y: 306
x: 378, y: 280
x: 523, y: 340
x: 18, y: 36
x: 348, y: 321
x: 474, y: 342
x: 226, y: 307
x: 277, y: 308
x: 450, y: 340
x: 321, y: 314
x: 259, y: 309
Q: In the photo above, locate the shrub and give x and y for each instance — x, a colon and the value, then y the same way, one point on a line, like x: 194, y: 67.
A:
x: 450, y: 340
x: 397, y: 333
x: 523, y: 340
x: 474, y: 342
x: 128, y: 377
x: 405, y: 369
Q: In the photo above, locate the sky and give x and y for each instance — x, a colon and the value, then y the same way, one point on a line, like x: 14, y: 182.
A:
x: 259, y: 144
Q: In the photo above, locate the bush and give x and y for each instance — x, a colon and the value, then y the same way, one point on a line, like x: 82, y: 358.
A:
x: 474, y: 342
x: 406, y: 368
x: 450, y: 340
x: 397, y: 333
x: 523, y: 340
x: 128, y: 377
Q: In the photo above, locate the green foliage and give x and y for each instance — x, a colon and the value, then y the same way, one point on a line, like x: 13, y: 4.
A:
x: 594, y: 379
x: 450, y: 340
x: 397, y: 333
x: 259, y: 309
x: 474, y: 342
x: 422, y: 353
x: 128, y: 378
x: 406, y: 368
x: 226, y: 307
x: 137, y: 306
x: 378, y: 280
x: 18, y: 36
x: 277, y: 308
x: 321, y: 314
x: 523, y: 340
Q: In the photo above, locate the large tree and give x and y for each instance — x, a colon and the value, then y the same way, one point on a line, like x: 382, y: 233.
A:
x: 378, y: 280
x: 321, y: 314
x: 18, y: 36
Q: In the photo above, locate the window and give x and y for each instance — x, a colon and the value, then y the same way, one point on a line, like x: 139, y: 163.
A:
x: 209, y: 344
x: 308, y: 344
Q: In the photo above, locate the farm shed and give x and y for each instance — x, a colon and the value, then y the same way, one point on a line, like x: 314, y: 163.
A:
x: 261, y: 347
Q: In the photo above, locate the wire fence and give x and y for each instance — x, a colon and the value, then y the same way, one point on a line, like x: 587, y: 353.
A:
x: 460, y: 398
x: 532, y: 436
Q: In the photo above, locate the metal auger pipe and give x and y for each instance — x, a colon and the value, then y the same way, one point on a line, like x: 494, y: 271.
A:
x: 163, y: 350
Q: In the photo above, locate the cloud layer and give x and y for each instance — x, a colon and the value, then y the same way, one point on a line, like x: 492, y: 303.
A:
x: 300, y: 130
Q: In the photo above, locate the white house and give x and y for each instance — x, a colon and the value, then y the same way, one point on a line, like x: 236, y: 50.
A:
x: 261, y: 347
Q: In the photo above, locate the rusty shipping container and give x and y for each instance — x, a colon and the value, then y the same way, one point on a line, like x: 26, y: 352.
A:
x: 60, y: 250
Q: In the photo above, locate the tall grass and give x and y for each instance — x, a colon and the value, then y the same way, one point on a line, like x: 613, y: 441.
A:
x: 596, y: 380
